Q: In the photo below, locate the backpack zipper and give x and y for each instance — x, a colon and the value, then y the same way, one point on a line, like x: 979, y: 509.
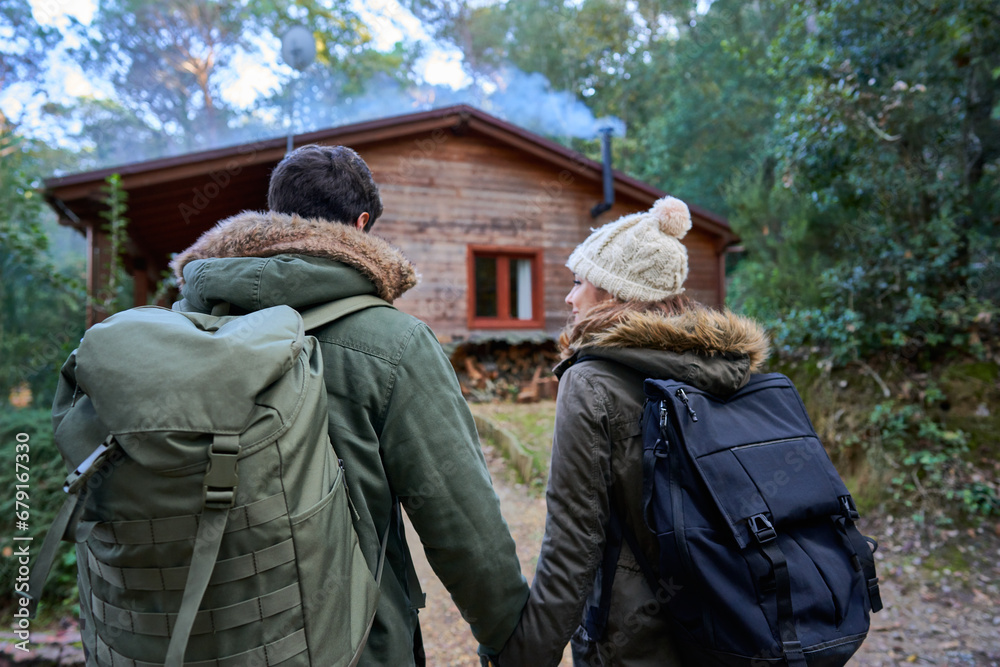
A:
x: 684, y: 399
x: 661, y: 452
x: 766, y: 442
x: 674, y: 457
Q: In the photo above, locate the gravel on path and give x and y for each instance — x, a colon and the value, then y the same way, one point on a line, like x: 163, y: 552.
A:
x: 932, y: 616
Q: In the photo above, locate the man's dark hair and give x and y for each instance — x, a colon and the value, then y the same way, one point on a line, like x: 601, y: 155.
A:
x: 328, y: 182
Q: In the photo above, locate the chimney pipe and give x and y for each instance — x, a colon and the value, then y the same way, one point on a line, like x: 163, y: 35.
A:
x: 609, y: 181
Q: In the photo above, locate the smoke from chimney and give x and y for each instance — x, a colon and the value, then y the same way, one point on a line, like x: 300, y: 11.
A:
x: 526, y: 100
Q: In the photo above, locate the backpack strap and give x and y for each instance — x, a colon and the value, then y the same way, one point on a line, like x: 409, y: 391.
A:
x: 324, y: 314
x: 595, y: 621
x: 647, y: 569
x: 867, y: 558
x: 221, y: 479
x: 767, y: 540
x: 328, y: 312
x: 381, y: 554
x: 64, y: 525
x: 317, y: 316
x: 619, y: 532
x: 864, y: 555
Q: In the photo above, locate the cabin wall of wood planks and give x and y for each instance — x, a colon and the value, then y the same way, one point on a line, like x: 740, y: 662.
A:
x: 452, y: 180
x: 443, y: 192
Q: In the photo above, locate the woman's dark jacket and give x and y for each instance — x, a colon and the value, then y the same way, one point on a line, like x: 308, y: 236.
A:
x: 597, y: 446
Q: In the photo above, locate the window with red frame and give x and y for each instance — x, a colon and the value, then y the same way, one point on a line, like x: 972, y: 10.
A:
x: 505, y: 288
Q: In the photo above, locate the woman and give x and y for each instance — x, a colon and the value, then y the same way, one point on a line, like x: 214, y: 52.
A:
x: 631, y: 322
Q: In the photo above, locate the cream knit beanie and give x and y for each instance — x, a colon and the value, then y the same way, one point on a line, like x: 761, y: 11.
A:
x: 638, y: 257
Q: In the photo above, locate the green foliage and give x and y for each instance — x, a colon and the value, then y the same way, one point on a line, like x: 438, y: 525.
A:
x: 885, y: 165
x: 45, y: 496
x: 919, y: 442
x: 116, y: 295
x: 702, y: 116
x: 784, y: 238
x: 163, y: 60
x: 979, y: 498
x: 927, y: 460
x: 684, y: 78
x: 41, y: 305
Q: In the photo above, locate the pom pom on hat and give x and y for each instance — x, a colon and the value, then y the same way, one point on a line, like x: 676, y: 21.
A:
x: 673, y: 216
x: 638, y: 257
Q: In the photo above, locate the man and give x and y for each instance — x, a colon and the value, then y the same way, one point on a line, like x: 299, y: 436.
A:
x: 397, y: 416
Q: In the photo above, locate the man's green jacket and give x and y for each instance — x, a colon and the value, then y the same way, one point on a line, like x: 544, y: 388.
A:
x: 397, y: 417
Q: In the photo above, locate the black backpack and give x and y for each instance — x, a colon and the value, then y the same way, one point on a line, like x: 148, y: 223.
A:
x: 755, y: 527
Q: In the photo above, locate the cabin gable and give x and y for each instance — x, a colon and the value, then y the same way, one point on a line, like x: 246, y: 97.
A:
x: 488, y: 212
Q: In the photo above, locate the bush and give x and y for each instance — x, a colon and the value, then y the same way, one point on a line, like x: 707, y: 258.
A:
x: 914, y: 441
x: 43, y: 498
x: 870, y: 221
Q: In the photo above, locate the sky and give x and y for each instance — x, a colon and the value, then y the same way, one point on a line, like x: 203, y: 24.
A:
x: 523, y: 98
x: 391, y: 23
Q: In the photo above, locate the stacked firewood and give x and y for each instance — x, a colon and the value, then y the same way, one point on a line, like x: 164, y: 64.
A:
x: 502, y: 371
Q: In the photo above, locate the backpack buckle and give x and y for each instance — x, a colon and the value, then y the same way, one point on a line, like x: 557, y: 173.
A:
x: 849, y: 508
x: 761, y: 528
x: 90, y: 465
x: 221, y: 478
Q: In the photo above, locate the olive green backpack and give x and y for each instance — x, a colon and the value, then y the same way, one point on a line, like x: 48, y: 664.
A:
x: 209, y: 510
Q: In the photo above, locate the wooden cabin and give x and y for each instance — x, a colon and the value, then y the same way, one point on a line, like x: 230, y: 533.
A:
x: 487, y: 211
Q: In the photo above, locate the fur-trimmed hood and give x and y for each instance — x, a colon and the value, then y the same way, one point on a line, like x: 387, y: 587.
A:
x: 266, y: 234
x: 702, y: 330
x: 714, y: 350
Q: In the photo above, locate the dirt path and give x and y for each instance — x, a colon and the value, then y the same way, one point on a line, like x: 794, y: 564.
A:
x: 447, y: 639
x: 931, y: 616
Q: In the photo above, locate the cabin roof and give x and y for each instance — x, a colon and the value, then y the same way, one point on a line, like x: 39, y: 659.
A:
x: 172, y: 199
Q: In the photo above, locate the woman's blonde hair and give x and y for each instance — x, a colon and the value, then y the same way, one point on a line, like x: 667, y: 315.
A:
x: 607, y: 314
